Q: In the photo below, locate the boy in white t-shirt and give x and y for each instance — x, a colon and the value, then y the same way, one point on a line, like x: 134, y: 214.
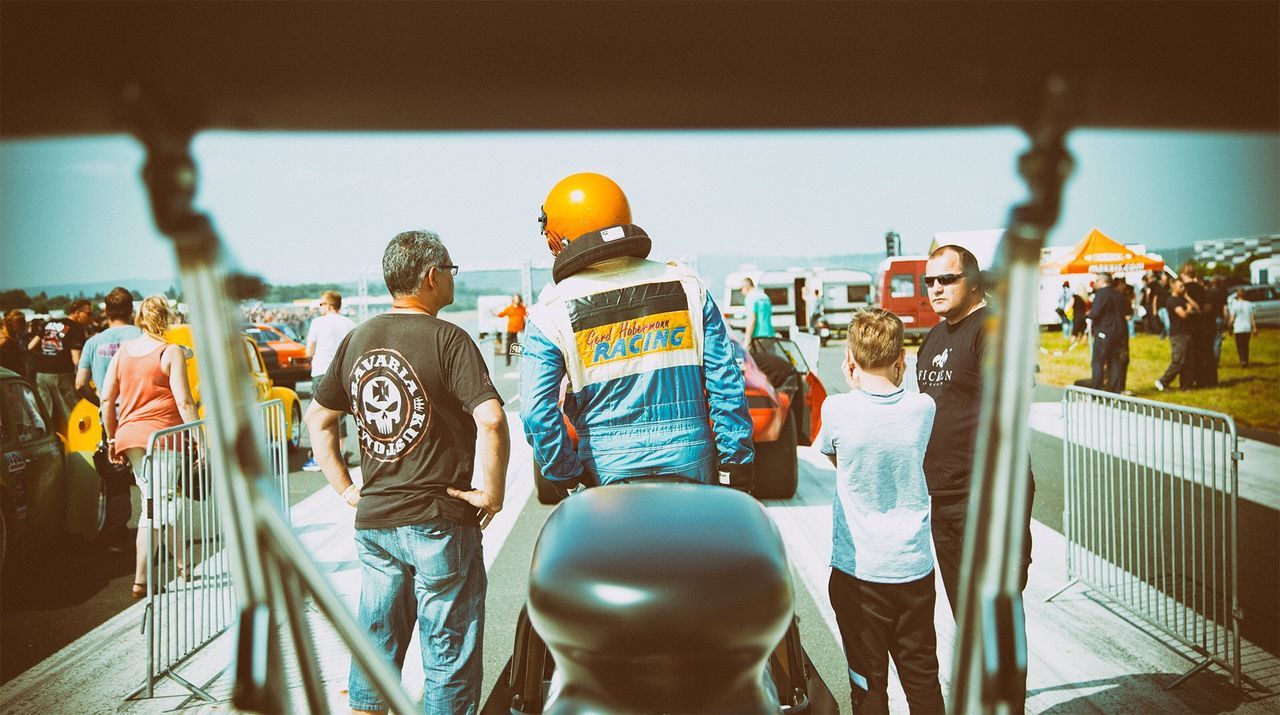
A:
x: 882, y: 587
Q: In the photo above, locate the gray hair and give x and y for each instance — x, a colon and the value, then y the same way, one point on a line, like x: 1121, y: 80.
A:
x: 408, y: 258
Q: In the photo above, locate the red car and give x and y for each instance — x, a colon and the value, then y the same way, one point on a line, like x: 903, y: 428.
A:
x: 286, y: 358
x: 785, y: 413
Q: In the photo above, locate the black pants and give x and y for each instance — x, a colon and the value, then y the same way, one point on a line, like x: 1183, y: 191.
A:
x: 1242, y: 347
x: 947, y: 519
x: 1110, y: 361
x: 1178, y: 347
x: 878, y: 620
x: 511, y: 340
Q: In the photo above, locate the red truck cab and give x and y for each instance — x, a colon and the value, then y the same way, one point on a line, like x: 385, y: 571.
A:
x: 900, y: 280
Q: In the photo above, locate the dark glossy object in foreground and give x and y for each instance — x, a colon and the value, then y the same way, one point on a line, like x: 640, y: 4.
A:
x: 661, y: 598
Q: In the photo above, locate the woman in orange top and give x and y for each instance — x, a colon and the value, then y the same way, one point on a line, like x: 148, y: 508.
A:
x: 514, y: 314
x: 146, y: 390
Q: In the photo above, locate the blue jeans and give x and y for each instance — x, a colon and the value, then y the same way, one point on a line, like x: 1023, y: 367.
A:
x: 434, y: 571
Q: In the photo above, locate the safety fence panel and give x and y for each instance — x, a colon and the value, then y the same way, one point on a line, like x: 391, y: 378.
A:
x: 275, y: 425
x: 190, y: 598
x: 1151, y: 493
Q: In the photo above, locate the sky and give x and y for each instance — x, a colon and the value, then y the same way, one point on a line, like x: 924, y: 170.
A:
x: 298, y: 208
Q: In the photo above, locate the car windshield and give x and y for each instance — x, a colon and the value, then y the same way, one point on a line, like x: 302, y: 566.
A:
x: 287, y: 331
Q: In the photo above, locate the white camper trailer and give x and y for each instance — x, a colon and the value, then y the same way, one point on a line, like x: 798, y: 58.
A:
x: 843, y: 292
x: 784, y: 288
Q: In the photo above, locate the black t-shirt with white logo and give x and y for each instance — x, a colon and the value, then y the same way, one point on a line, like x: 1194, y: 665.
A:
x: 949, y: 369
x: 411, y: 381
x: 60, y: 337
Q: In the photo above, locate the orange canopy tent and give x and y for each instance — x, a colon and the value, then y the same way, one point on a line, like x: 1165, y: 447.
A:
x: 1099, y: 253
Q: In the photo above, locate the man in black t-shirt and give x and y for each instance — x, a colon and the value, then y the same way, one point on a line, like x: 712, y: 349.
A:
x: 1181, y: 313
x: 420, y: 394
x: 949, y: 369
x: 56, y: 358
x: 1200, y: 328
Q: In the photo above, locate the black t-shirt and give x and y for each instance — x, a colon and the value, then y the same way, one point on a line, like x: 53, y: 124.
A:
x: 949, y: 369
x: 59, y: 338
x: 1197, y: 321
x: 1216, y: 297
x: 1177, y: 324
x: 411, y: 381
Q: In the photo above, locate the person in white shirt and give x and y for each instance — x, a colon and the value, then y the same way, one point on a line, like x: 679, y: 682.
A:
x: 323, y: 338
x: 1243, y: 325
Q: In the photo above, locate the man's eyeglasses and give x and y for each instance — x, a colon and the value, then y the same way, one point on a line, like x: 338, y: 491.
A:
x: 453, y: 270
x: 945, y: 279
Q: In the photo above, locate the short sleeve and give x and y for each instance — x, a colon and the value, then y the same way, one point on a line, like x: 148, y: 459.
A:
x: 75, y: 338
x: 465, y: 374
x: 826, y: 443
x: 331, y: 393
x: 85, y: 361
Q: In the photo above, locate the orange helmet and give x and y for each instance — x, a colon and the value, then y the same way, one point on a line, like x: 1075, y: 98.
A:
x: 580, y: 204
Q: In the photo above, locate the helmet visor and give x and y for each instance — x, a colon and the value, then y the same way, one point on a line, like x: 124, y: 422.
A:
x: 542, y: 219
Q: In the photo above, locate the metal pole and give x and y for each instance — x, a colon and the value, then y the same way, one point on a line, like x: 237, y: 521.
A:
x: 990, y: 647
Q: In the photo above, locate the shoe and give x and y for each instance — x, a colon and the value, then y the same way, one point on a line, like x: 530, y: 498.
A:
x: 139, y: 590
x: 310, y: 465
x: 1159, y: 386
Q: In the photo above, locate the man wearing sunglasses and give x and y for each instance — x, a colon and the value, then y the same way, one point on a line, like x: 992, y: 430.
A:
x: 949, y: 369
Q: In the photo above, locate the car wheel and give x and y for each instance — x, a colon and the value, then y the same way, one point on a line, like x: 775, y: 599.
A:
x: 548, y: 493
x: 777, y: 466
x: 295, y: 428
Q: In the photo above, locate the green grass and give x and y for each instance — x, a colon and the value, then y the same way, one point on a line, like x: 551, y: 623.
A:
x: 1250, y: 395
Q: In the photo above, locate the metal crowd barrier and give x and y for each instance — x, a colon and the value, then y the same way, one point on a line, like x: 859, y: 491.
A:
x: 1151, y: 492
x: 190, y: 595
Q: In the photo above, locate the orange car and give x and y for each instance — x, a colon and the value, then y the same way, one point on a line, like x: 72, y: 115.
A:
x: 286, y: 358
x: 782, y: 417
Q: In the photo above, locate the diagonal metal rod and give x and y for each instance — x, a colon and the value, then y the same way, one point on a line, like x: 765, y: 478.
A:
x: 235, y: 435
x: 991, y: 652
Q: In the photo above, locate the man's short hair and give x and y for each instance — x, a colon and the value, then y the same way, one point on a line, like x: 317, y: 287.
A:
x: 119, y: 304
x: 78, y: 305
x: 408, y: 258
x: 1188, y: 269
x: 968, y: 262
x: 746, y: 280
x: 1104, y: 277
x: 875, y: 337
x: 333, y: 298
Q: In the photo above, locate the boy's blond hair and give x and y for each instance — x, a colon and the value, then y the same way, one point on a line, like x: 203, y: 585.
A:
x: 875, y: 338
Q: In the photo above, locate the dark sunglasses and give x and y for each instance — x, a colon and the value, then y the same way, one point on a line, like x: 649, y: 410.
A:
x: 945, y: 279
x: 453, y: 270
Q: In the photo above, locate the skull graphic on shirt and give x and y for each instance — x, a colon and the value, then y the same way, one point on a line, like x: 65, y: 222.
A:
x: 382, y: 404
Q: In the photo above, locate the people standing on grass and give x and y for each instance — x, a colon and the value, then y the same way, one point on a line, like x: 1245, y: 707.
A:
x: 1200, y: 370
x: 1181, y: 313
x: 1064, y: 306
x: 882, y: 583
x: 1110, y: 328
x: 1243, y: 325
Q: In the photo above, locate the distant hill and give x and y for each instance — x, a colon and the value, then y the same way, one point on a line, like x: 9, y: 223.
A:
x: 145, y: 286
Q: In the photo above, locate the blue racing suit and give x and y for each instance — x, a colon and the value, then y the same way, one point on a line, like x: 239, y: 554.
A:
x: 653, y: 386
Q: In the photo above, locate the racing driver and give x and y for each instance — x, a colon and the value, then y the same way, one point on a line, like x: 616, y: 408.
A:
x: 654, y: 388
